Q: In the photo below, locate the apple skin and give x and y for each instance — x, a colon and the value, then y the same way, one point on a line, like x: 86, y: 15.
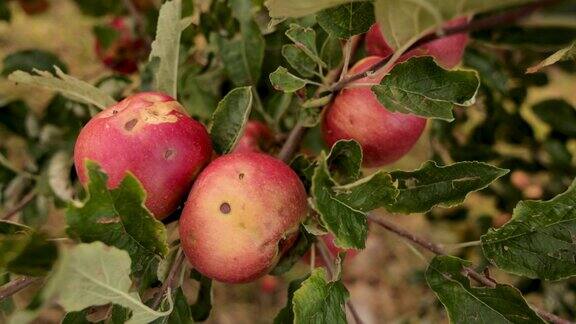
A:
x: 243, y: 212
x: 357, y: 114
x: 447, y: 51
x: 148, y: 135
x: 328, y: 239
x: 34, y: 7
x: 125, y: 52
x: 257, y: 137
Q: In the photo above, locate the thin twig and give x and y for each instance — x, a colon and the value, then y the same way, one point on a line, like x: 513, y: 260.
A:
x: 23, y: 203
x: 505, y: 18
x: 329, y: 262
x: 16, y: 285
x: 169, y: 281
x: 430, y: 246
x: 469, y: 272
x: 298, y: 131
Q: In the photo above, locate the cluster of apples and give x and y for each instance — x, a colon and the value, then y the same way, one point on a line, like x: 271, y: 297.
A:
x: 243, y: 209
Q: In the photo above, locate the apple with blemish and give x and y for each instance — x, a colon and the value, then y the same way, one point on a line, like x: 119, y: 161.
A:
x: 242, y: 214
x: 357, y: 114
x: 148, y: 135
x: 447, y: 51
x: 257, y: 137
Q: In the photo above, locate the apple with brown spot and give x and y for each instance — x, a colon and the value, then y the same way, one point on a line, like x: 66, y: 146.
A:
x: 148, y: 135
x: 357, y: 114
x: 242, y: 214
x: 447, y: 51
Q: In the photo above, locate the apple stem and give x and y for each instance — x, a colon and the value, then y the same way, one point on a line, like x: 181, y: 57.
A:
x: 467, y: 271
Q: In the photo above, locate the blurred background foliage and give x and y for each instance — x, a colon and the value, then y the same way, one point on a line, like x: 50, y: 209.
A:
x: 524, y: 122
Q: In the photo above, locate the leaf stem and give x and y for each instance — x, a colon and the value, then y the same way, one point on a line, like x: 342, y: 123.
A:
x: 468, y: 271
x: 16, y: 285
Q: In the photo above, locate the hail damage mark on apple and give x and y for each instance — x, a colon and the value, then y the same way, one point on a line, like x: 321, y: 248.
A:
x: 169, y: 154
x: 225, y: 208
x: 130, y: 124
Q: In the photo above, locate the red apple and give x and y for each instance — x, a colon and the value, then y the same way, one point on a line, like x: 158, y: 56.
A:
x: 357, y: 114
x: 148, y: 135
x: 257, y: 137
x: 243, y: 212
x: 34, y: 7
x: 447, y: 51
x: 124, y: 52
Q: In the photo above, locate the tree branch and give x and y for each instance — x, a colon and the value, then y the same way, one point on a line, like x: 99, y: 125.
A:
x: 502, y: 19
x: 16, y: 285
x: 329, y: 262
x: 169, y: 281
x: 23, y: 203
x: 469, y: 272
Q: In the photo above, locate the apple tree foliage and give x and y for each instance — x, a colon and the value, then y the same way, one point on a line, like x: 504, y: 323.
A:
x: 228, y: 61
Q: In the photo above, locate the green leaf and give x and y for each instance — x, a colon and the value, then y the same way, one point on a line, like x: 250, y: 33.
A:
x: 345, y: 160
x: 309, y: 116
x: 331, y: 52
x: 566, y: 54
x: 347, y: 20
x: 95, y: 274
x: 294, y: 254
x: 348, y: 225
x: 199, y: 94
x: 181, y: 311
x: 243, y: 55
x: 421, y: 87
x: 559, y: 114
x: 444, y: 186
x: 403, y: 22
x: 69, y: 86
x: 299, y: 61
x: 24, y: 251
x: 229, y: 119
x: 305, y: 39
x: 166, y: 47
x: 539, y: 240
x: 118, y: 218
x: 304, y: 167
x: 367, y: 194
x: 319, y: 300
x: 299, y: 8
x: 286, y: 314
x: 29, y: 60
x: 283, y: 80
x: 5, y: 13
x: 106, y: 35
x: 201, y: 308
x: 467, y: 304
